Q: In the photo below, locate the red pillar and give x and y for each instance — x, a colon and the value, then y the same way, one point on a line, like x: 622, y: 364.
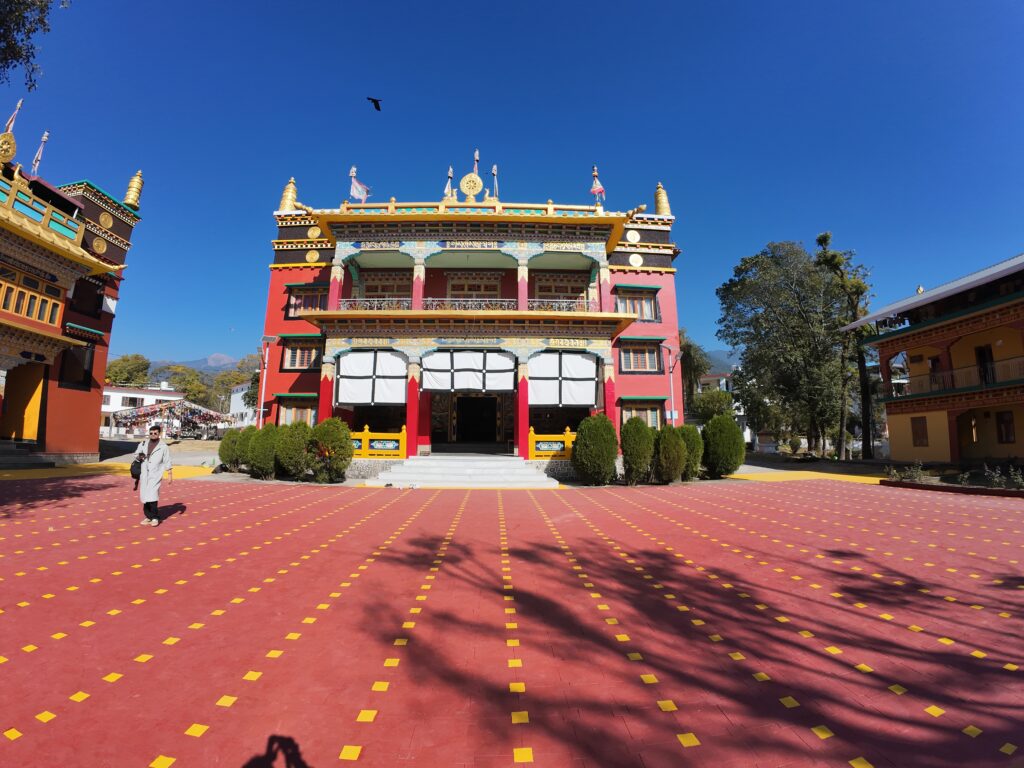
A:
x: 412, y: 411
x: 523, y: 413
x: 523, y: 289
x: 325, y: 403
x: 419, y: 276
x: 610, y: 409
x: 425, y: 420
x: 334, y: 291
x: 605, y: 283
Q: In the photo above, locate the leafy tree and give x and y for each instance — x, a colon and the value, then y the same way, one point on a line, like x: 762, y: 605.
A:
x: 724, y: 449
x: 710, y: 403
x: 223, y: 383
x: 251, y: 397
x: 637, y: 450
x: 130, y: 370
x: 694, y: 450
x: 187, y: 380
x: 595, y: 449
x: 669, y: 454
x: 853, y: 282
x: 248, y: 364
x: 20, y: 22
x: 694, y: 361
x: 331, y: 450
x: 784, y: 312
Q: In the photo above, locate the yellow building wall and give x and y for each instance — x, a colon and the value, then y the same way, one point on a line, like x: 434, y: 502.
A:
x: 920, y: 368
x: 1006, y: 343
x: 988, y: 445
x: 901, y: 438
x: 23, y: 400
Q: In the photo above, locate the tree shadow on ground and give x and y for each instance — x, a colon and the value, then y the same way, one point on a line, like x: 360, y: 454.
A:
x: 278, y: 746
x: 18, y: 498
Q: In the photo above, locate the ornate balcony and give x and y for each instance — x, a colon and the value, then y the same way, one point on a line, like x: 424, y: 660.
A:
x: 996, y: 374
x: 470, y: 305
x: 376, y: 305
x: 562, y: 305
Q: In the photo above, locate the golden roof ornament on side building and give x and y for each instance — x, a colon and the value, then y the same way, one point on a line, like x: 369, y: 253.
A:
x: 131, y: 197
x: 661, y: 206
x: 288, y: 196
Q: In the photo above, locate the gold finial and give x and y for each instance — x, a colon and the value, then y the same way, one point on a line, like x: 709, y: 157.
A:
x: 288, y: 196
x: 920, y: 289
x: 661, y: 206
x: 131, y: 197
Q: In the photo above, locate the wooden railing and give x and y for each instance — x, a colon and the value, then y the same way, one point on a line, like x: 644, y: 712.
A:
x: 378, y: 445
x: 16, y: 196
x: 551, y: 446
x: 970, y: 377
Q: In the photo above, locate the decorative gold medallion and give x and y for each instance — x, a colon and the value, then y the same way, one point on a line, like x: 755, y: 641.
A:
x: 8, y: 147
x: 636, y: 260
x: 634, y: 237
x: 106, y: 220
x: 314, y: 232
x: 471, y: 185
x: 99, y: 245
x: 312, y: 256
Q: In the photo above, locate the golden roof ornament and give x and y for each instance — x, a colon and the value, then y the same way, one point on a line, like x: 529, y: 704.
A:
x: 471, y: 186
x: 661, y: 206
x: 131, y: 197
x: 8, y: 146
x: 920, y: 289
x: 288, y: 196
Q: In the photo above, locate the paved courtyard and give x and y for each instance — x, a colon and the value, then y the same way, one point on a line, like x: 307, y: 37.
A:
x: 809, y: 623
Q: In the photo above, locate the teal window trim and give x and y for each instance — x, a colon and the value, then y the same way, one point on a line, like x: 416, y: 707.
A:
x: 636, y: 287
x: 103, y: 192
x: 78, y: 327
x: 643, y: 398
x: 300, y: 335
x: 282, y: 395
x: 307, y: 285
x: 642, y: 338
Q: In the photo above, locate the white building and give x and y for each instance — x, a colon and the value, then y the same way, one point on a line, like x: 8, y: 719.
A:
x: 242, y: 414
x: 119, y: 398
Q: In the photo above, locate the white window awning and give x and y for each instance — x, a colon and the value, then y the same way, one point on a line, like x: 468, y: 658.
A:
x: 371, y: 377
x: 563, y: 378
x: 469, y: 370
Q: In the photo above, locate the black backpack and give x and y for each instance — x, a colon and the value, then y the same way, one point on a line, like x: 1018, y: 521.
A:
x: 136, y: 469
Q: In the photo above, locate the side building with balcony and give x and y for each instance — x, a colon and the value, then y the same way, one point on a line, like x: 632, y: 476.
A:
x: 952, y: 368
x: 464, y: 324
x: 62, y: 250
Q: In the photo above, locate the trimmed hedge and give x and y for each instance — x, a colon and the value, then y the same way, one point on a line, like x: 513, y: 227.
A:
x: 291, y: 454
x: 669, y: 454
x: 594, y: 450
x: 724, y: 449
x: 244, y: 444
x: 262, y: 452
x: 330, y: 450
x: 227, y: 451
x: 637, y: 450
x: 694, y: 451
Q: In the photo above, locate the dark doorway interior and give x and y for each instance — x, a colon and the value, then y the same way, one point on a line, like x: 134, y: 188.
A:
x: 476, y: 419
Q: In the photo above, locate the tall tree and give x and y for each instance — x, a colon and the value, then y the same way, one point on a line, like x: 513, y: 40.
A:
x: 782, y: 311
x: 20, y: 22
x: 188, y: 380
x: 130, y: 370
x: 853, y: 281
x: 694, y: 362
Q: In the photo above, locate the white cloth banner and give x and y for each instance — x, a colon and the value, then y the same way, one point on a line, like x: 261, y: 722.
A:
x: 371, y: 377
x: 563, y: 378
x: 469, y: 370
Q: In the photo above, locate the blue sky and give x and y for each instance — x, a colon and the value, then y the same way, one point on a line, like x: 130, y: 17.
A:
x: 897, y: 125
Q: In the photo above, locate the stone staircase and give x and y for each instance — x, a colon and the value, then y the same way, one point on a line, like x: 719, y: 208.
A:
x: 19, y: 456
x: 463, y: 471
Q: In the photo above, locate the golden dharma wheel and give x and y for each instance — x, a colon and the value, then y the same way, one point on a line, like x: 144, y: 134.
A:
x: 8, y: 146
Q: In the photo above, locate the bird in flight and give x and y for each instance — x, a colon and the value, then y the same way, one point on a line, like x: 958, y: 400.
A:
x: 376, y: 102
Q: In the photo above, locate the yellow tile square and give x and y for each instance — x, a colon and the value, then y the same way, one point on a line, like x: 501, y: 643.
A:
x: 649, y: 679
x: 12, y: 734
x: 405, y: 640
x: 667, y: 705
x: 833, y: 650
x: 688, y: 739
x: 513, y: 663
x: 512, y: 642
x: 80, y: 696
x: 863, y: 667
x: 350, y: 752
x: 366, y: 716
x: 293, y: 636
x: 1008, y: 748
x: 522, y: 755
x: 198, y: 625
x: 935, y: 711
x: 822, y: 732
x: 172, y: 640
x: 380, y: 686
x: 915, y: 628
x: 29, y: 648
x: 972, y: 731
x: 975, y: 654
x: 622, y: 638
x: 45, y: 716
x: 411, y: 624
x: 943, y: 640
x: 898, y: 689
x: 520, y: 717
x: 252, y: 675
x: 391, y: 662
x: 142, y: 658
x: 736, y: 655
x: 860, y: 762
x: 805, y: 633
x: 634, y: 656
x: 274, y: 654
x: 113, y: 677
x: 197, y: 730
x: 761, y: 676
x: 226, y: 701
x: 163, y: 761
x: 517, y: 687
x: 789, y: 702
x: 58, y: 635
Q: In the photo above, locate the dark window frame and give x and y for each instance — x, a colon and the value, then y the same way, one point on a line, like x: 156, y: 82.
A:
x: 919, y: 431
x: 1005, y: 432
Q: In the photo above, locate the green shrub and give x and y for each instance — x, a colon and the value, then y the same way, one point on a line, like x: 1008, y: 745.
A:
x: 711, y: 403
x: 694, y: 451
x: 291, y: 452
x: 330, y: 450
x: 244, y: 444
x: 724, y: 449
x: 669, y: 454
x: 594, y: 450
x: 262, y: 452
x: 795, y: 443
x: 227, y: 451
x: 637, y: 450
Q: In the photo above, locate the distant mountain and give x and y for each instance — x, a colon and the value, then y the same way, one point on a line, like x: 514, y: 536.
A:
x: 722, y: 360
x: 213, y: 364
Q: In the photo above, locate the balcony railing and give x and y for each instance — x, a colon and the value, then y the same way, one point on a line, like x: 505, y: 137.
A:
x: 469, y: 305
x: 561, y: 305
x: 973, y: 376
x: 15, y: 195
x: 379, y: 305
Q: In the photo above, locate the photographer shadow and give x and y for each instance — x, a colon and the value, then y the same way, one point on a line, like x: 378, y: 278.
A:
x: 278, y: 745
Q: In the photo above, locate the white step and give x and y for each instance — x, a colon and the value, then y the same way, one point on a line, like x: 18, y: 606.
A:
x: 463, y: 471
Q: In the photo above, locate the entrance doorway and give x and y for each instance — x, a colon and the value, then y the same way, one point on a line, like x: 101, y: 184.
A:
x: 476, y: 419
x: 472, y: 422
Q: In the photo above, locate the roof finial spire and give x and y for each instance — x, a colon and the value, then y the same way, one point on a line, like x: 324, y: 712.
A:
x: 131, y: 197
x: 8, y: 146
x: 661, y: 206
x: 288, y: 196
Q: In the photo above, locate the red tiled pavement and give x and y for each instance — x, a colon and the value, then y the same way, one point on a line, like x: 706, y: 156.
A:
x: 725, y: 624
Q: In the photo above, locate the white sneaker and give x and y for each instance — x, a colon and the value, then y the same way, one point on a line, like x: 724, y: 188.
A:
x: 144, y: 521
x: 154, y: 523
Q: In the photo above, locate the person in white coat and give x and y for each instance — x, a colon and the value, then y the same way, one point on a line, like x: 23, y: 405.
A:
x: 155, y: 456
